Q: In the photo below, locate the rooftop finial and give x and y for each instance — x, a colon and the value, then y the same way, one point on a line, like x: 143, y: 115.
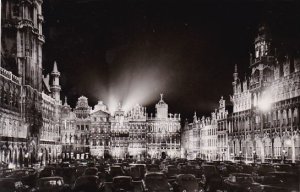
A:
x: 161, y: 96
x: 66, y: 100
x: 55, y: 67
x: 235, y: 68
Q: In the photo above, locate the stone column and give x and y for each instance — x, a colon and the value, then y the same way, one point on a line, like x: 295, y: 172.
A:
x: 262, y: 150
x: 293, y: 148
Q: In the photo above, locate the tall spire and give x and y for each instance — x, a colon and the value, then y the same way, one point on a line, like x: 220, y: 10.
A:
x: 161, y: 96
x: 66, y: 101
x: 55, y: 86
x: 195, y: 117
x: 235, y: 74
x: 55, y: 67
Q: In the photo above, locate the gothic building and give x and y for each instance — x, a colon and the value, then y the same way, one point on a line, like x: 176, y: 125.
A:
x: 29, y: 103
x: 264, y: 125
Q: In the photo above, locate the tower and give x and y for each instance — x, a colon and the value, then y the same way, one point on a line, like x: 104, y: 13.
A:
x: 263, y: 64
x: 235, y: 79
x: 22, y: 40
x: 55, y: 87
x: 161, y: 108
x: 262, y: 43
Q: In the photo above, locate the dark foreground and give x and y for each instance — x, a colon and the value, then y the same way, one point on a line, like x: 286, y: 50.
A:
x: 152, y: 175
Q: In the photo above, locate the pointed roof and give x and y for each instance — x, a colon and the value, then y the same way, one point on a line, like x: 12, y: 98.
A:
x: 66, y: 101
x: 55, y: 69
x: 46, y: 85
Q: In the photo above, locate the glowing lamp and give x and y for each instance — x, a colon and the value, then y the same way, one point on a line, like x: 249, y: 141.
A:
x: 288, y: 142
x: 265, y: 103
x: 266, y: 100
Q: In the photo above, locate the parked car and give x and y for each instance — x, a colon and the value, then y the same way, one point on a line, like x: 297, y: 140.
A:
x: 12, y: 185
x: 186, y: 183
x: 137, y: 171
x: 264, y: 169
x: 27, y: 176
x: 48, y: 171
x: 211, y: 179
x: 122, y: 183
x: 51, y: 184
x: 91, y: 171
x: 240, y: 182
x: 4, y: 172
x: 171, y: 171
x: 152, y: 168
x: 156, y: 181
x: 279, y: 181
x: 88, y: 183
x: 67, y: 173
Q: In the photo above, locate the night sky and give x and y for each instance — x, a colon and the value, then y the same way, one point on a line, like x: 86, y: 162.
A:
x: 134, y: 50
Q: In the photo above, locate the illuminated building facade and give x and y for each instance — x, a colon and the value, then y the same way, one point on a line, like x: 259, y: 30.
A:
x: 187, y: 138
x: 206, y: 138
x: 68, y: 131
x: 222, y: 132
x: 95, y: 132
x: 264, y: 125
x: 29, y: 110
x: 163, y: 133
x: 83, y: 124
x: 100, y: 130
x: 119, y: 134
x: 137, y: 132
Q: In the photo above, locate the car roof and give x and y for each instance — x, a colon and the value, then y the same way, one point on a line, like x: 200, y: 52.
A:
x: 91, y: 168
x: 9, y: 179
x: 154, y: 173
x: 181, y: 176
x: 241, y: 174
x: 122, y: 177
x: 49, y: 178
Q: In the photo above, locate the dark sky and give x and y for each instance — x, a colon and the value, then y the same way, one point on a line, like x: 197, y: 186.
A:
x: 130, y: 49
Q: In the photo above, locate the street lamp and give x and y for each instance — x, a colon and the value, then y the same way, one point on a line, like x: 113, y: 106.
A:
x: 265, y: 102
x: 254, y: 156
x: 240, y: 156
x: 40, y: 154
x: 264, y: 105
x: 283, y: 153
x: 26, y: 159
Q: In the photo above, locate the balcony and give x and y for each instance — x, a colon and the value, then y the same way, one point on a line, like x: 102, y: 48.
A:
x: 25, y: 23
x: 263, y: 59
x: 9, y: 75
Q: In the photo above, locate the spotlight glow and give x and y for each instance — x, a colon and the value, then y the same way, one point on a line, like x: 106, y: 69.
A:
x: 265, y: 101
x: 137, y: 84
